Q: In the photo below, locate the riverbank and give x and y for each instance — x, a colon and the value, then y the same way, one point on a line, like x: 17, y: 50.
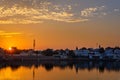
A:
x: 52, y: 58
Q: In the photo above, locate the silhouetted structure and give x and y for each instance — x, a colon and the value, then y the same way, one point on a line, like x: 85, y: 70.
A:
x: 34, y: 44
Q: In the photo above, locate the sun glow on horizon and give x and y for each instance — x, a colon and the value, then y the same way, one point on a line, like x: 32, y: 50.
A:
x: 59, y: 24
x: 9, y: 48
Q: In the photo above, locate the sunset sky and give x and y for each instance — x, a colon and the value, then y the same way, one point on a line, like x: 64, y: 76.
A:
x: 59, y: 23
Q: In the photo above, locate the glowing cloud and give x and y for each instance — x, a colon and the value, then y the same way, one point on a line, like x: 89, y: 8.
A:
x: 9, y: 34
x: 37, y: 11
x: 88, y: 12
x: 93, y: 11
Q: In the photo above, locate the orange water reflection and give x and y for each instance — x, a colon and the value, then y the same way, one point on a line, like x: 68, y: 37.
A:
x: 56, y: 73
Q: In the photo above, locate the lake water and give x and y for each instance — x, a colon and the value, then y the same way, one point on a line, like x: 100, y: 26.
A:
x: 60, y: 70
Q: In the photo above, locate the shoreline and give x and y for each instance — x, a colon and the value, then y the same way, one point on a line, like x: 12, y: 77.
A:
x: 51, y: 58
x: 62, y: 64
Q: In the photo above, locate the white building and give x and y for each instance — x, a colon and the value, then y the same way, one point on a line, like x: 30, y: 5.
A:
x: 117, y: 51
x: 24, y: 54
x: 81, y: 52
x: 109, y: 53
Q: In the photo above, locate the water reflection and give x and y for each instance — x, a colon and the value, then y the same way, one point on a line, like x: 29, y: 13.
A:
x: 101, y: 66
x: 59, y: 70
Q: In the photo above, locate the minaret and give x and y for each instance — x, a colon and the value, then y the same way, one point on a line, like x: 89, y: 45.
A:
x: 34, y: 44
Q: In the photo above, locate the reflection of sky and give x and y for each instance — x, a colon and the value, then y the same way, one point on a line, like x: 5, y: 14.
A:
x: 35, y: 11
x: 67, y: 73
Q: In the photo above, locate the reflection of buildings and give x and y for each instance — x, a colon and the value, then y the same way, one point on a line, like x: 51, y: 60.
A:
x: 49, y: 65
x: 33, y: 73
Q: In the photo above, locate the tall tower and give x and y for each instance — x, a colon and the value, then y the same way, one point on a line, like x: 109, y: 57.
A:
x: 34, y: 44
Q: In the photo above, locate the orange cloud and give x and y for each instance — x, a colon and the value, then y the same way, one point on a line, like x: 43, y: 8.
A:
x: 34, y: 13
x: 9, y: 34
x: 26, y: 15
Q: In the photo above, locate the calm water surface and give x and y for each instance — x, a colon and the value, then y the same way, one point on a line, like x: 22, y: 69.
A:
x: 60, y: 70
